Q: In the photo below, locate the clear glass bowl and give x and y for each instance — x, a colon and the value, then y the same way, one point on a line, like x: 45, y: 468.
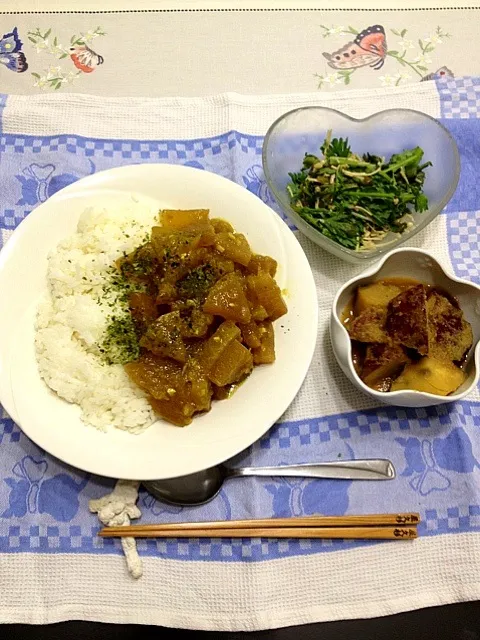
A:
x: 303, y: 131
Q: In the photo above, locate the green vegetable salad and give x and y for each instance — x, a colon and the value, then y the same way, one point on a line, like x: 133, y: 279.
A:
x: 355, y: 200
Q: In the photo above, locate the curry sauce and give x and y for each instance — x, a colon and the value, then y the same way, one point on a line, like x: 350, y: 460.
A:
x: 201, y: 306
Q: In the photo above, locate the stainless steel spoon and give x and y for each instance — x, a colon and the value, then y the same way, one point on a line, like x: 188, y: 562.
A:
x: 201, y: 487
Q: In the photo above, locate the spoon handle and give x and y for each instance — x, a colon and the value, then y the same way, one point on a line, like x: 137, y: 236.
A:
x: 373, y: 469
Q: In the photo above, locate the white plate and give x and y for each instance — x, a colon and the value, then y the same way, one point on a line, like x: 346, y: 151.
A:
x: 162, y: 451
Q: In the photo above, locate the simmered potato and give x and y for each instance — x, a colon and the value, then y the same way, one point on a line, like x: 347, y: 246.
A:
x: 407, y: 319
x: 407, y: 335
x: 450, y: 335
x: 377, y: 294
x: 431, y: 376
x: 379, y: 355
x: 369, y: 326
x: 382, y: 364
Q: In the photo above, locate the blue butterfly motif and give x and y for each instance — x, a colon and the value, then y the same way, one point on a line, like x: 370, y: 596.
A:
x: 39, y: 182
x: 11, y: 55
x: 255, y: 183
x: 195, y: 164
x: 424, y: 459
x: 292, y: 496
x: 32, y: 493
x: 24, y: 492
x: 157, y: 508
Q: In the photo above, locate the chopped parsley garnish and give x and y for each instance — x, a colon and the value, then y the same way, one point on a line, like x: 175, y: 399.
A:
x: 140, y: 263
x: 197, y: 281
x: 120, y: 343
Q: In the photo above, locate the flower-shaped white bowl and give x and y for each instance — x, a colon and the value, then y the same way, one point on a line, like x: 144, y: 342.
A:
x: 420, y: 265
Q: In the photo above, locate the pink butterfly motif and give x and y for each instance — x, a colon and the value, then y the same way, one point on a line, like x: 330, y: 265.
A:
x: 368, y: 49
x: 85, y: 58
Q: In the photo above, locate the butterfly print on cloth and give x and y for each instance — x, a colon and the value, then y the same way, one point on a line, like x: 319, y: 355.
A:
x: 430, y: 464
x: 11, y: 55
x: 40, y: 181
x: 368, y: 49
x: 85, y: 58
x: 299, y: 497
x: 33, y: 492
x: 443, y: 72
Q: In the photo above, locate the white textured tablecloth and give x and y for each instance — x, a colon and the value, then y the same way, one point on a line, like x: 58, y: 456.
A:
x: 52, y: 565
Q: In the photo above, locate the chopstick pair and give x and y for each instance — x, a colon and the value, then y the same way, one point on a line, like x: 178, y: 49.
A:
x: 390, y: 526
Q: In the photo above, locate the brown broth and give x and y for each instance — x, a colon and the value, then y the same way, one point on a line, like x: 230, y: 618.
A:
x: 403, y: 283
x: 348, y: 313
x: 358, y: 355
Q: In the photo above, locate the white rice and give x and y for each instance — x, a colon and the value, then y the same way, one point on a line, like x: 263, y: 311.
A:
x: 74, y: 315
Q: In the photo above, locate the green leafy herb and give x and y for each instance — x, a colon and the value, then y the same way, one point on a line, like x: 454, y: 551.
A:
x: 355, y: 201
x: 197, y: 281
x: 120, y: 342
x: 140, y: 263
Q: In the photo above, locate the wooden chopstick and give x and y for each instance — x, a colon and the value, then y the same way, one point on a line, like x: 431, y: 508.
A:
x: 267, y: 527
x: 370, y: 520
x: 362, y: 533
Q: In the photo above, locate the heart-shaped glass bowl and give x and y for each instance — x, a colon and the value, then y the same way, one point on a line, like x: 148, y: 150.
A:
x: 387, y: 132
x: 419, y: 265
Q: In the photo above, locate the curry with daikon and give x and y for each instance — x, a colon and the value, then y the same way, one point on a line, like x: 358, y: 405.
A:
x: 201, y: 306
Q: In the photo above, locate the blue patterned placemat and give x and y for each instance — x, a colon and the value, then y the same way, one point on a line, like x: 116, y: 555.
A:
x: 44, y: 504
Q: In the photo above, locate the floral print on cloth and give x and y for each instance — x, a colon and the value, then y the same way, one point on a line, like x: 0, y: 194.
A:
x: 369, y: 48
x: 387, y: 55
x: 79, y: 52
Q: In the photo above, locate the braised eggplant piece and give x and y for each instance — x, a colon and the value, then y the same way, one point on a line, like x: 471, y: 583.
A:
x: 450, y: 335
x: 407, y: 319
